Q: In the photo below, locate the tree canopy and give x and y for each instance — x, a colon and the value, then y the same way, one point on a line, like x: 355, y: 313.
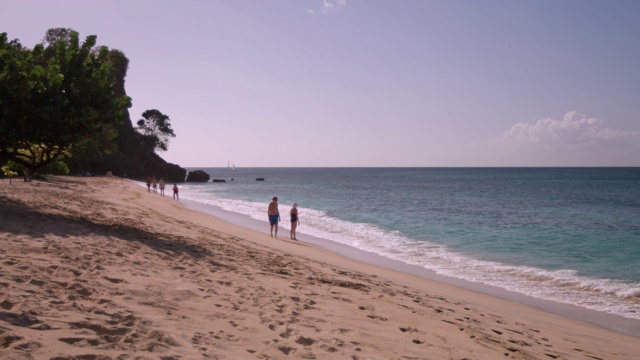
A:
x: 56, y: 34
x: 52, y: 99
x: 155, y: 128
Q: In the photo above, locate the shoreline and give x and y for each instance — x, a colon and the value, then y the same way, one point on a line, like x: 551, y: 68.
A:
x: 99, y: 267
x: 607, y: 321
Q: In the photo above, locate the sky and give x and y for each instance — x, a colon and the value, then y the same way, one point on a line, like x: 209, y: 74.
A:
x: 369, y: 83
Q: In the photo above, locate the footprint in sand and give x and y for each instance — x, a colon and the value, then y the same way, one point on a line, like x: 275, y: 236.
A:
x: 82, y: 342
x: 113, y: 280
x: 238, y: 326
x: 8, y: 304
x: 286, y: 334
x: 287, y: 350
x: 305, y: 341
x: 328, y: 348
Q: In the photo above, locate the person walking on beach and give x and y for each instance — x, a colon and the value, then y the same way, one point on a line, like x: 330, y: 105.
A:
x: 148, y: 184
x: 175, y: 192
x: 154, y: 184
x: 274, y: 215
x: 295, y: 220
x: 161, y: 184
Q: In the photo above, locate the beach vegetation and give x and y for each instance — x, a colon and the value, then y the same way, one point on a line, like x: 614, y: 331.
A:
x: 10, y: 170
x: 155, y: 129
x: 119, y: 148
x: 54, y: 35
x: 92, y: 150
x: 63, y: 100
x: 54, y: 98
x: 36, y: 155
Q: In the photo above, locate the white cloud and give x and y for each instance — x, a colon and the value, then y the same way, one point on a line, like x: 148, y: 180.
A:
x: 574, y: 140
x: 329, y: 5
x: 573, y: 131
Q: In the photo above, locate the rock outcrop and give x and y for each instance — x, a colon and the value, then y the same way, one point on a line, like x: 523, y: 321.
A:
x: 130, y: 157
x: 197, y: 176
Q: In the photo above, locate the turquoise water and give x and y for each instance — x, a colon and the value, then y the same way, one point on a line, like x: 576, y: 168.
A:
x: 570, y: 235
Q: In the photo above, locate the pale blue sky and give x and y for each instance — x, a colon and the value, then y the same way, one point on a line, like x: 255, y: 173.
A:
x: 372, y: 83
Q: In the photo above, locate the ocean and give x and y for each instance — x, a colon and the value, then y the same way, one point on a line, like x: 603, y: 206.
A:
x: 567, y: 235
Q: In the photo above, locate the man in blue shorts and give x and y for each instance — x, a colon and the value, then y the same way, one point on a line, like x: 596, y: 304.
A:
x: 274, y: 215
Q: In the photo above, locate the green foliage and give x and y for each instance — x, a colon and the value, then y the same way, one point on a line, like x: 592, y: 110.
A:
x: 51, y: 102
x: 37, y: 156
x: 91, y: 150
x: 155, y: 129
x: 56, y: 34
x: 65, y: 100
x: 57, y: 167
x: 10, y: 169
x: 120, y: 65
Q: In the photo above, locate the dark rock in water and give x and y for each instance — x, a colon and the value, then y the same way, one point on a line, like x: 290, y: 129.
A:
x: 197, y: 176
x: 259, y: 179
x: 218, y: 180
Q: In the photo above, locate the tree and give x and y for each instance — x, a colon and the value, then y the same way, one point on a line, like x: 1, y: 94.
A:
x: 51, y: 38
x: 53, y: 103
x: 155, y: 129
x: 56, y: 34
x: 90, y: 150
x: 10, y: 170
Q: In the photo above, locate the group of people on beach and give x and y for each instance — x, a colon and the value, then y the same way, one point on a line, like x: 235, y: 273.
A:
x: 153, y: 182
x: 274, y: 218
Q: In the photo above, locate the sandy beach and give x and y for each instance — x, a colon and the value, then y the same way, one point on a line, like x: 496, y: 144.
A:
x: 98, y: 268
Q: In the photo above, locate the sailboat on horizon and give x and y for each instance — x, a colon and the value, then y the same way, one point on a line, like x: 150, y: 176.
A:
x: 231, y: 169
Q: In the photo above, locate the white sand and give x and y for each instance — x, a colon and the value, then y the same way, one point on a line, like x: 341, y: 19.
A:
x: 97, y: 268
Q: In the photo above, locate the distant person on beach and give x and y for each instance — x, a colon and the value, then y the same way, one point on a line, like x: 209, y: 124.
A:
x: 148, y: 184
x: 161, y: 184
x: 154, y: 184
x: 175, y: 192
x: 274, y: 215
x: 295, y: 220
